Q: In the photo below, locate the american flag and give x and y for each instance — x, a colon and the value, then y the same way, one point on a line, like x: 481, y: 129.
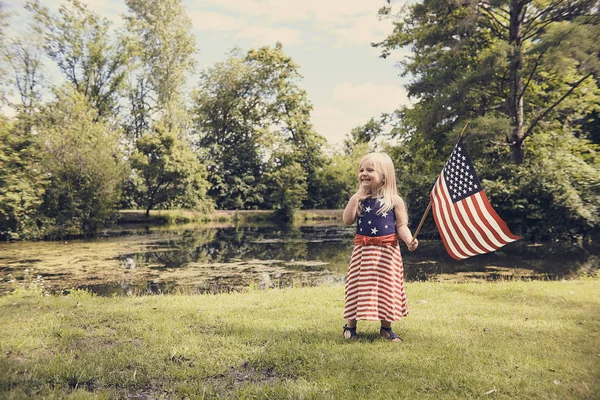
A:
x: 462, y: 212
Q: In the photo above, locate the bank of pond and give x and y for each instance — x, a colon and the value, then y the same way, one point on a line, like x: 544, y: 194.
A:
x: 214, y: 258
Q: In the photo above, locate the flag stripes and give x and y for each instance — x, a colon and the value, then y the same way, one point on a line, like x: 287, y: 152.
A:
x: 467, y: 223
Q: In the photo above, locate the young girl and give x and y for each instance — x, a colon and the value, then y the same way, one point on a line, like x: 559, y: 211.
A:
x: 375, y: 280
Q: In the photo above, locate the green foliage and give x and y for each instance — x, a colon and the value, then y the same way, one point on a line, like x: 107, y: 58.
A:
x: 287, y: 189
x: 169, y: 173
x: 337, y: 180
x: 24, y: 56
x: 366, y: 133
x: 556, y: 194
x: 161, y: 40
x: 4, y: 17
x: 250, y: 115
x: 471, y: 60
x: 21, y: 184
x: 77, y: 40
x: 81, y: 158
x: 520, y: 72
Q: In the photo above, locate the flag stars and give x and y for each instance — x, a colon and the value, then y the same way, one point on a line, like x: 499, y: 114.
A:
x: 384, y: 215
x: 369, y: 222
x: 368, y: 209
x: 374, y: 231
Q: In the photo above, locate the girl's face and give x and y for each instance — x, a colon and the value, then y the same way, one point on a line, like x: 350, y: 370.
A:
x: 368, y: 177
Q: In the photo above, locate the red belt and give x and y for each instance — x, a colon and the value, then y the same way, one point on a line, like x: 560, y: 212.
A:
x: 387, y: 240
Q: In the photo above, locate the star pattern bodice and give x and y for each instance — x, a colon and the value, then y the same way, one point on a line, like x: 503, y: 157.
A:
x: 372, y: 224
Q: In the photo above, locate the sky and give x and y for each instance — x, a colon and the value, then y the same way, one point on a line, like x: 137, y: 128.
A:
x: 344, y: 77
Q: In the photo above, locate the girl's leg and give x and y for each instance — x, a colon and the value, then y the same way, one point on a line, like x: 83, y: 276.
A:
x: 350, y: 329
x: 387, y: 333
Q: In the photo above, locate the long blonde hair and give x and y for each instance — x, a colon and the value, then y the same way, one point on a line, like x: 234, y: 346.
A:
x: 385, y: 166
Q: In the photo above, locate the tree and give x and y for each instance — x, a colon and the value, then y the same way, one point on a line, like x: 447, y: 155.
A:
x: 24, y: 57
x: 22, y: 184
x: 364, y: 134
x: 516, y: 60
x: 81, y: 157
x: 171, y: 173
x: 160, y: 33
x: 78, y: 41
x: 287, y: 189
x: 517, y: 69
x: 337, y: 179
x: 252, y: 118
x: 3, y: 23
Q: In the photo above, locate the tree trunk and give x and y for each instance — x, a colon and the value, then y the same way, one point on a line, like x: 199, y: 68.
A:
x: 517, y: 13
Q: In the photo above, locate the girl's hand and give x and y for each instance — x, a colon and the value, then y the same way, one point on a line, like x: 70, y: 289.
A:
x: 360, y: 195
x: 412, y: 246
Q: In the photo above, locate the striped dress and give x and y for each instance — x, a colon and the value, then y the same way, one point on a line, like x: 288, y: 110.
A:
x: 375, y: 279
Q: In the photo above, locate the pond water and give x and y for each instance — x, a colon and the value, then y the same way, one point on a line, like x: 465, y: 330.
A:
x: 200, y: 259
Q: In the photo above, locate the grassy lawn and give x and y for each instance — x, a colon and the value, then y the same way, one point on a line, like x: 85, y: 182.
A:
x: 509, y: 340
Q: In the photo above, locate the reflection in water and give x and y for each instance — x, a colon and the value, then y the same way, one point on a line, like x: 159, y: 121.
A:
x: 202, y: 260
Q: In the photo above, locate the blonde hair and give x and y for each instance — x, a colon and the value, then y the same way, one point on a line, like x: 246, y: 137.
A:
x: 385, y: 166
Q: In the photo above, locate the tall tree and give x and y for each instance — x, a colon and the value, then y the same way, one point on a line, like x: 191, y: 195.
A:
x: 3, y: 23
x: 478, y: 58
x: 366, y: 133
x: 81, y: 156
x: 523, y: 71
x: 160, y: 31
x: 337, y: 180
x: 171, y: 173
x: 22, y: 184
x: 78, y: 41
x: 24, y: 57
x: 252, y: 118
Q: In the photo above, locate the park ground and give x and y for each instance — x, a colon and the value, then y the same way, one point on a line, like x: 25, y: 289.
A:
x: 503, y: 340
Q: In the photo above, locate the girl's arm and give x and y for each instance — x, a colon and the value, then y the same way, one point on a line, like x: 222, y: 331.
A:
x: 351, y: 210
x: 402, y: 230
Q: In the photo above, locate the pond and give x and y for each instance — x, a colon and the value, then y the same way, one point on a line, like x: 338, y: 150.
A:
x: 200, y: 259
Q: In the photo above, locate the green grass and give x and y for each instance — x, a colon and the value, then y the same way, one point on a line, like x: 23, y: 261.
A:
x: 508, y: 340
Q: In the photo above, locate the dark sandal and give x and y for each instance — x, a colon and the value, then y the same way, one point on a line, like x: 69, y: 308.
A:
x: 350, y: 333
x: 391, y: 335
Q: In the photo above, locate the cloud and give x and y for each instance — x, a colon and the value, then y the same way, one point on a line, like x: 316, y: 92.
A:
x: 285, y: 11
x: 352, y: 22
x: 363, y: 30
x: 212, y: 21
x: 335, y: 128
x: 371, y: 97
x: 354, y: 105
x: 266, y: 36
x: 106, y: 8
x: 327, y: 111
x: 242, y: 27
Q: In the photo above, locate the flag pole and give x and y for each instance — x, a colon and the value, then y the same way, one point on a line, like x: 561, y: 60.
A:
x: 462, y: 134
